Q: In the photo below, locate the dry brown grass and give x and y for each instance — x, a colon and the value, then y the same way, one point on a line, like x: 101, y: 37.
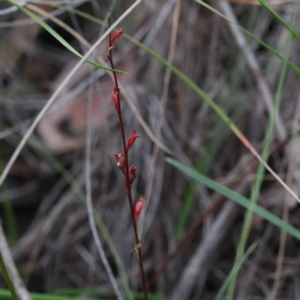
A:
x: 55, y: 248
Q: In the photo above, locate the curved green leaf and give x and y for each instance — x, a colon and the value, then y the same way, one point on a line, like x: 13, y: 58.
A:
x: 59, y: 38
x: 241, y: 200
x: 278, y: 18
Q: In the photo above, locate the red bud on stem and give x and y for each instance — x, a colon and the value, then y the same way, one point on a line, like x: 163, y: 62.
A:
x: 117, y: 34
x: 115, y: 99
x: 132, y: 139
x: 120, y: 161
x: 138, y: 207
x: 132, y: 174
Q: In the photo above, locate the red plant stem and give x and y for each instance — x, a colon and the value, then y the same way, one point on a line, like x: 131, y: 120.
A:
x: 126, y: 173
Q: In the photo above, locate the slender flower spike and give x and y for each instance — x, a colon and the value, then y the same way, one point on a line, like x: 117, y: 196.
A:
x: 117, y: 34
x: 132, y: 139
x: 115, y: 99
x: 120, y: 161
x: 132, y: 174
x: 138, y: 207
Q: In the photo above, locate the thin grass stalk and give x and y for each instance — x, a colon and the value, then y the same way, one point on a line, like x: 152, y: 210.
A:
x: 7, y: 279
x: 9, y: 270
x: 285, y: 214
x: 235, y: 270
x: 137, y: 247
x: 260, y: 172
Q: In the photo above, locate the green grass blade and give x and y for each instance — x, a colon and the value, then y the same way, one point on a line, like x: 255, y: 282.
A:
x: 278, y: 18
x: 269, y: 48
x: 99, y: 292
x: 59, y: 38
x: 241, y: 200
x: 235, y: 270
x: 260, y: 171
x: 5, y: 294
x: 75, y: 295
x: 12, y: 293
x: 82, y: 14
x: 9, y: 217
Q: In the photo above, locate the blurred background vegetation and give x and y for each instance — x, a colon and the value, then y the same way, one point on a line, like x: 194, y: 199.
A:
x: 190, y: 230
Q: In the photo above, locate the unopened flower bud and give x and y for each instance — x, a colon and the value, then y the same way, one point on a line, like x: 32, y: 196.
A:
x: 120, y: 161
x: 132, y: 139
x: 132, y: 174
x: 115, y: 99
x: 117, y: 34
x: 138, y: 207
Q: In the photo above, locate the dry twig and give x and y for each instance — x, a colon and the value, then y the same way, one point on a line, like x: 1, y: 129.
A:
x: 11, y: 268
